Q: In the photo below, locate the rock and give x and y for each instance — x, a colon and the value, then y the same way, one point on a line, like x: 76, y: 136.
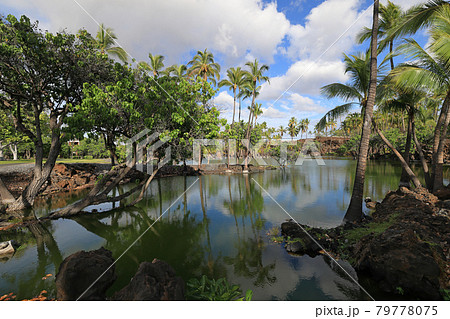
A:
x: 80, y: 270
x: 397, y: 258
x: 153, y: 281
x: 300, y: 242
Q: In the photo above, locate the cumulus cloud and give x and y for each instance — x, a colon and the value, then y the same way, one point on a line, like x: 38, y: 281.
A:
x: 224, y: 101
x: 271, y: 112
x: 172, y: 27
x: 305, y: 104
x: 306, y: 77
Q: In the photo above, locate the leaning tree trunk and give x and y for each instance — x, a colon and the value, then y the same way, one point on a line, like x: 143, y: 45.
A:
x: 405, y: 165
x: 438, y: 181
x: 426, y: 171
x: 354, y: 211
x: 404, y: 179
x: 440, y: 135
x: 41, y: 172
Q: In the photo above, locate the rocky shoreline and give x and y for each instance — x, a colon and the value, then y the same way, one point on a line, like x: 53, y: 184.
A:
x: 403, y: 246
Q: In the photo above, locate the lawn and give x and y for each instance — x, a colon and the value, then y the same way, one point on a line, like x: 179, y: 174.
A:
x: 62, y: 160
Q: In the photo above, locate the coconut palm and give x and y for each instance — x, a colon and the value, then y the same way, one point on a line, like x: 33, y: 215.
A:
x: 416, y: 18
x: 356, y: 91
x: 293, y: 127
x: 390, y: 15
x: 178, y: 71
x: 281, y: 130
x: 254, y: 77
x: 234, y: 82
x: 306, y: 123
x: 203, y: 65
x: 431, y: 71
x: 354, y: 211
x: 155, y: 66
x: 257, y: 111
x: 105, y: 39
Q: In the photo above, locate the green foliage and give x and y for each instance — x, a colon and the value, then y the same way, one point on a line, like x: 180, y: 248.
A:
x: 206, y: 289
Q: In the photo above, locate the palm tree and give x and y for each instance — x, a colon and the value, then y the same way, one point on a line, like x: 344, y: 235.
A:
x: 431, y: 71
x: 203, y: 65
x: 416, y: 18
x: 354, y: 211
x: 306, y: 122
x: 257, y: 111
x: 281, y: 129
x: 234, y: 82
x: 178, y: 71
x: 356, y: 91
x: 390, y: 15
x: 105, y: 39
x: 254, y: 76
x: 293, y: 127
x: 155, y: 66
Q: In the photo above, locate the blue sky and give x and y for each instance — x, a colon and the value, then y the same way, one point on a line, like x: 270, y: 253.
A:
x: 301, y: 40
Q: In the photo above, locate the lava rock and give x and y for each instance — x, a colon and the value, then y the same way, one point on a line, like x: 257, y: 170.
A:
x: 397, y: 258
x: 80, y: 270
x: 153, y: 281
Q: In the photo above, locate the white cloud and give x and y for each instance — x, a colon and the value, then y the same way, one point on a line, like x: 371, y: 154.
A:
x: 271, y: 112
x: 173, y: 28
x: 330, y: 27
x: 305, y: 104
x: 304, y: 77
x: 224, y: 100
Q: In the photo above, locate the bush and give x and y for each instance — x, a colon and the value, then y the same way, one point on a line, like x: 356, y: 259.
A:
x: 206, y: 289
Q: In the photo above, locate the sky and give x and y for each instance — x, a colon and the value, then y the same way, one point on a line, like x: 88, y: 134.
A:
x: 302, y: 41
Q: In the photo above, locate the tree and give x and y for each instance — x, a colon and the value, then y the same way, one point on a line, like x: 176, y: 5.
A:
x: 390, y: 15
x: 306, y: 126
x: 254, y: 77
x: 155, y: 66
x: 43, y: 73
x: 356, y: 90
x: 105, y: 39
x: 179, y: 71
x: 234, y: 82
x: 354, y: 211
x: 293, y: 127
x: 203, y: 65
x: 432, y: 72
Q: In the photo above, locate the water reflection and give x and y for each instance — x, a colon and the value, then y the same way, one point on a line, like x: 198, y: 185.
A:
x: 216, y: 228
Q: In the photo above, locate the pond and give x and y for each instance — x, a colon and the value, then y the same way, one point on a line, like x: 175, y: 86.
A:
x: 215, y: 225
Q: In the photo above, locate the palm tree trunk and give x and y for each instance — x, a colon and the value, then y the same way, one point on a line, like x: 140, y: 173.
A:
x: 391, y: 48
x: 440, y: 135
x: 354, y: 211
x: 404, y: 179
x: 426, y: 172
x: 234, y: 106
x: 405, y: 165
x: 248, y: 134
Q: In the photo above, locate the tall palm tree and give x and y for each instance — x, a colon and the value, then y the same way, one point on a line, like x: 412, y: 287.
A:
x: 254, y: 77
x: 293, y: 127
x: 431, y: 71
x: 281, y: 129
x: 356, y: 91
x: 306, y: 122
x: 257, y: 111
x: 235, y: 82
x: 390, y: 15
x: 354, y: 211
x: 203, y: 65
x: 105, y: 40
x: 155, y: 66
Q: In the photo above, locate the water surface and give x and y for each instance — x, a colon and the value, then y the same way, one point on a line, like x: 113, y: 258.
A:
x: 215, y: 225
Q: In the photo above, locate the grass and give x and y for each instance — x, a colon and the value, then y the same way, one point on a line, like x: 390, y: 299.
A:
x: 61, y: 160
x: 354, y: 235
